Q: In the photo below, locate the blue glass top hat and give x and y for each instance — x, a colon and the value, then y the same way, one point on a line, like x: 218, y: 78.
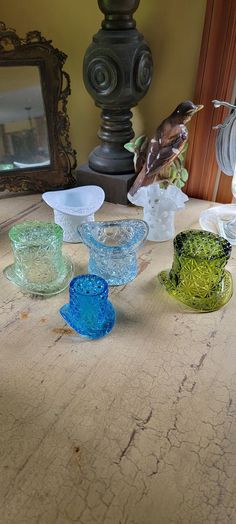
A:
x: 113, y: 247
x: 89, y: 311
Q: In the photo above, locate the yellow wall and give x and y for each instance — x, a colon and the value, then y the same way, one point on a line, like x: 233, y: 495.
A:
x: 19, y: 77
x: 172, y: 28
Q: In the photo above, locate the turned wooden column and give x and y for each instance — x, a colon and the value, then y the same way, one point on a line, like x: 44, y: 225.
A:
x: 117, y: 73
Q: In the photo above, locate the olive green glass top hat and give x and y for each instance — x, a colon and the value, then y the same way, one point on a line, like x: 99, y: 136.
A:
x: 39, y: 265
x: 197, y: 277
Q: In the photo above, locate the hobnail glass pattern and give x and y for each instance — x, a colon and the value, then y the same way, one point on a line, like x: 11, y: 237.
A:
x: 159, y: 207
x: 89, y: 311
x: 197, y: 276
x: 113, y: 248
x: 39, y: 265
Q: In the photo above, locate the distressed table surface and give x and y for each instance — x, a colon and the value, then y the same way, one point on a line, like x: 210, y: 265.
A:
x: 136, y: 428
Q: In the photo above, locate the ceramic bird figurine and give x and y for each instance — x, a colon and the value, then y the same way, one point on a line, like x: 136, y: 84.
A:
x: 169, y: 139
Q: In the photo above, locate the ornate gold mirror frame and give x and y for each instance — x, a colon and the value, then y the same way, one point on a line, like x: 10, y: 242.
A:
x: 54, y: 87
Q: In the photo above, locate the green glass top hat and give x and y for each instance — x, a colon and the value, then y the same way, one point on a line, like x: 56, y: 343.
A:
x: 39, y: 265
x: 197, y: 277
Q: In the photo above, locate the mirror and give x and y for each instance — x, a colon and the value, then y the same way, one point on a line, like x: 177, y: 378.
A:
x: 23, y: 125
x: 35, y: 150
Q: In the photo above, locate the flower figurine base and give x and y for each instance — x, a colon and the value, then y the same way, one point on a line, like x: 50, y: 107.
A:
x: 197, y: 277
x: 159, y: 210
x: 89, y: 311
x: 113, y: 248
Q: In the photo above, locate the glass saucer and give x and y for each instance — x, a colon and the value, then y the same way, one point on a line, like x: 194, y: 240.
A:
x: 96, y: 331
x: 220, y: 220
x: 45, y: 289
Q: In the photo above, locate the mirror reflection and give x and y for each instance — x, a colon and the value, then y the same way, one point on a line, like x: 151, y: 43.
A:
x: 23, y: 125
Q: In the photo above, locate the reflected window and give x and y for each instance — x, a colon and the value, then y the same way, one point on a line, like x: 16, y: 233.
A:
x: 23, y: 125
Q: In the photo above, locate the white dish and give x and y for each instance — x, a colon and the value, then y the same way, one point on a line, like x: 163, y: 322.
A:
x: 214, y: 218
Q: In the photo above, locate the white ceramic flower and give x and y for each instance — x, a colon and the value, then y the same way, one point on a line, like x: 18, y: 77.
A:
x: 159, y: 209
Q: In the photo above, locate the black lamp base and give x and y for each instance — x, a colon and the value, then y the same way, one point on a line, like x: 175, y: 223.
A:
x: 115, y: 187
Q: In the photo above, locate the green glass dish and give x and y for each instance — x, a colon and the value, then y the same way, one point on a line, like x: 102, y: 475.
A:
x: 39, y: 266
x: 198, y: 277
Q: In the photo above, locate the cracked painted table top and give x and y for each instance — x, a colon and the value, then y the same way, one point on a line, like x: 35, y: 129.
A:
x: 136, y: 428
